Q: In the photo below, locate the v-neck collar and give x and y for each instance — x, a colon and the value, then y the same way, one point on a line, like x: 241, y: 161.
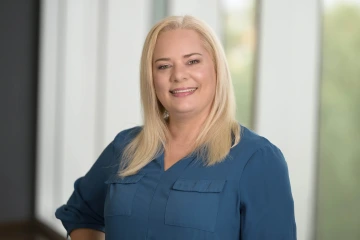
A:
x: 178, y: 166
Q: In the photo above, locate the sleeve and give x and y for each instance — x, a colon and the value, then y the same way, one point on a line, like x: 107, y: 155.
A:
x: 267, y: 206
x: 84, y: 209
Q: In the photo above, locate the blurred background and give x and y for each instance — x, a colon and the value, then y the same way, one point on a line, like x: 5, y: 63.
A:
x: 69, y: 82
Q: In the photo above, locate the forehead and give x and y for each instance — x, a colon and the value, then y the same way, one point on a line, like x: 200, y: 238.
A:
x: 179, y: 41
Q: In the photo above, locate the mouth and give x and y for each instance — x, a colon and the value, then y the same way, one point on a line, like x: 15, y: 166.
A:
x: 183, y: 90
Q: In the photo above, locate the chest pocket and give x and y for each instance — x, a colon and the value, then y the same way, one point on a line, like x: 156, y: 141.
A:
x: 194, y: 203
x: 120, y: 195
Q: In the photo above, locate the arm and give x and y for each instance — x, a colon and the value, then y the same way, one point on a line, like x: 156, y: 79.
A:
x: 83, y: 214
x: 267, y: 206
x: 87, y: 234
x: 85, y: 207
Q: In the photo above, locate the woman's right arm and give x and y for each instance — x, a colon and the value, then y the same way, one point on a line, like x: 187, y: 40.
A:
x: 83, y: 214
x: 85, y: 207
x: 86, y: 234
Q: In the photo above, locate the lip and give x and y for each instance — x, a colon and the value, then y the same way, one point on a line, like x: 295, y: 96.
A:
x: 183, y: 92
x: 181, y: 89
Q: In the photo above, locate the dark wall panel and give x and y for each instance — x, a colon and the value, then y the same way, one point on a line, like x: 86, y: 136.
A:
x: 18, y: 92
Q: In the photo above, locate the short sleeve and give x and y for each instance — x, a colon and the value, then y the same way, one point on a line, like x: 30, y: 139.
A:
x: 267, y: 206
x: 85, y: 206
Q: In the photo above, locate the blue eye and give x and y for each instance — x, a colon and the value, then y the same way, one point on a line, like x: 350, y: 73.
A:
x: 193, y: 62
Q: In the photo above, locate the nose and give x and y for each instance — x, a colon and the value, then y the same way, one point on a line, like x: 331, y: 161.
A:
x: 179, y: 73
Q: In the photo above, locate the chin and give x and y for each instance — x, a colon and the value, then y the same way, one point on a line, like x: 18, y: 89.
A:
x: 180, y: 111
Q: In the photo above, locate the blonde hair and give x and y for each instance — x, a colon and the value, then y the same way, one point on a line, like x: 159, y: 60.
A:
x: 220, y: 131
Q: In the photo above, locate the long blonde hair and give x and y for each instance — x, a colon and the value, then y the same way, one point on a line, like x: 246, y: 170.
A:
x: 220, y: 131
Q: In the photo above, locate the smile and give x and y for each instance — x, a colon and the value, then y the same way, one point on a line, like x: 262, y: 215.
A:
x: 183, y: 90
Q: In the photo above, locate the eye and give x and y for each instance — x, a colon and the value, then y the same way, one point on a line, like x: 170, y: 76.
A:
x: 162, y: 67
x: 191, y: 62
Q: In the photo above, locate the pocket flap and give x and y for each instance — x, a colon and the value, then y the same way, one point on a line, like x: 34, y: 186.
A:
x: 126, y: 180
x: 210, y: 186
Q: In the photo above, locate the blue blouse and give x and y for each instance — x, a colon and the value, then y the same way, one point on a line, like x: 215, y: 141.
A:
x: 247, y: 196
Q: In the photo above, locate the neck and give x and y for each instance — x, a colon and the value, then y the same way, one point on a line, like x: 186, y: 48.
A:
x: 185, y: 130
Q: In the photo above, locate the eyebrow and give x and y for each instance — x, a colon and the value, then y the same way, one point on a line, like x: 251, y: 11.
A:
x: 185, y: 56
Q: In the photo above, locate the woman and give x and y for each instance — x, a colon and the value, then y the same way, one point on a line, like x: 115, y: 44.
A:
x: 191, y: 172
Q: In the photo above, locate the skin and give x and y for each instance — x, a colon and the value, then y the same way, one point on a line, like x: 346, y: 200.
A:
x: 87, y: 234
x: 181, y: 61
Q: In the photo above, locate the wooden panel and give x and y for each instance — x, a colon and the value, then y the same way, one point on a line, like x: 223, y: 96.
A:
x: 32, y: 230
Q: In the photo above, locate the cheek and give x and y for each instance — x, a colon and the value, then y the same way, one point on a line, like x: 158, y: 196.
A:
x: 212, y: 78
x: 206, y: 78
x: 160, y: 87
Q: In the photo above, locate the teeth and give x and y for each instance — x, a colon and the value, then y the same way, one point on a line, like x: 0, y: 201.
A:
x: 184, y: 91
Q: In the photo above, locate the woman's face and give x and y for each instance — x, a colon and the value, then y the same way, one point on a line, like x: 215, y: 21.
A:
x: 184, y: 74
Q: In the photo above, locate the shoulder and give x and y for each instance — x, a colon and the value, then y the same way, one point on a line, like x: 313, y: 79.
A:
x: 125, y: 137
x: 259, y: 153
x: 264, y: 168
x: 251, y: 139
x: 127, y: 134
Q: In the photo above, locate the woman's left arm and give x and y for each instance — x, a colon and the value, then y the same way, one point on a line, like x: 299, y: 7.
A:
x: 267, y: 206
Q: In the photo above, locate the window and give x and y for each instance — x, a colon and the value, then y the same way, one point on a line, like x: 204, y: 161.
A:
x: 240, y: 44
x: 339, y: 169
